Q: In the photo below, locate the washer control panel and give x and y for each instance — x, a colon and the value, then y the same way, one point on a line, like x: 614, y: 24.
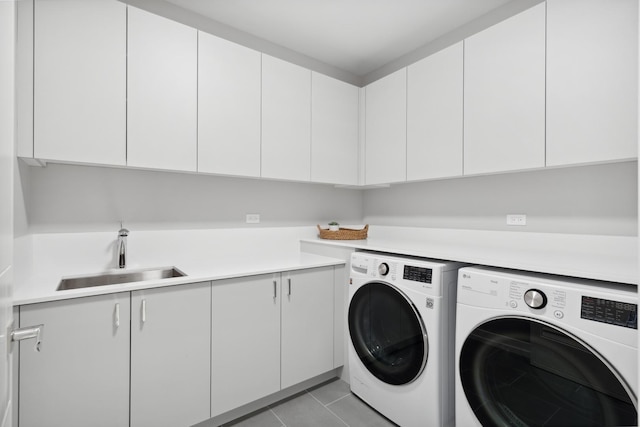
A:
x: 417, y: 274
x: 608, y: 311
x: 383, y: 269
x: 535, y: 298
x: 524, y: 294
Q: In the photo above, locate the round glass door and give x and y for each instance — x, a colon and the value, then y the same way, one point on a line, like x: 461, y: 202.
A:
x: 387, y: 333
x: 520, y: 372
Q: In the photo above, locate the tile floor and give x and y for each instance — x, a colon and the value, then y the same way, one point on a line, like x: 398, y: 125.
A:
x: 329, y: 404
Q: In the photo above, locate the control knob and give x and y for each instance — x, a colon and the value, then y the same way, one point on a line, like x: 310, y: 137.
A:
x: 383, y: 269
x: 535, y: 298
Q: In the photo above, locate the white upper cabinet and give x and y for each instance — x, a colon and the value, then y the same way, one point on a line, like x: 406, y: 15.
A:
x: 80, y: 81
x: 286, y: 120
x: 504, y: 95
x: 334, y: 131
x: 228, y: 107
x: 162, y: 93
x: 592, y: 80
x: 386, y: 129
x: 434, y: 115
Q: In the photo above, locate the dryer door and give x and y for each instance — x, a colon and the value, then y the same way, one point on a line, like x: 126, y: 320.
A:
x: 387, y: 333
x: 517, y: 371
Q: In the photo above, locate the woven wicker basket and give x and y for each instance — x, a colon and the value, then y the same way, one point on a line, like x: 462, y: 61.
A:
x: 344, y: 233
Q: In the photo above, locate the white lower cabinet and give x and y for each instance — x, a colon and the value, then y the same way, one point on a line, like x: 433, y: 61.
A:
x: 269, y: 332
x: 245, y: 350
x: 170, y: 345
x: 177, y: 355
x: 307, y: 325
x: 128, y: 359
x: 81, y: 375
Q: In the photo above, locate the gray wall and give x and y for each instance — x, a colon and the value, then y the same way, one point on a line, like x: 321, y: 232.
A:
x: 598, y: 199
x: 68, y: 198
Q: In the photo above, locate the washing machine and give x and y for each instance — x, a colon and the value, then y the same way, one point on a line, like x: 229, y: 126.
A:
x: 401, y: 316
x: 538, y: 350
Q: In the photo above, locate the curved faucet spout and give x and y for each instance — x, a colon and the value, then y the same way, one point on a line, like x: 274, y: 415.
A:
x: 122, y: 247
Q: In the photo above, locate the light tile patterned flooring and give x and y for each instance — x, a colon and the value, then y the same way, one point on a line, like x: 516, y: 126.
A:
x: 327, y: 405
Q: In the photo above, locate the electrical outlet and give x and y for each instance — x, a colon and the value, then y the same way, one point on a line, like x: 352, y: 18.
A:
x: 516, y: 219
x: 253, y: 218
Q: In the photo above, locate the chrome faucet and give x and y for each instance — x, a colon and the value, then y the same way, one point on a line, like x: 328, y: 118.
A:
x: 122, y: 247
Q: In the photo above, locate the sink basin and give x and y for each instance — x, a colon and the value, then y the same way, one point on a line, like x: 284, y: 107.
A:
x: 115, y: 277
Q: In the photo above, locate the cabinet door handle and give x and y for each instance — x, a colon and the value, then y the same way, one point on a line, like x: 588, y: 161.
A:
x: 275, y: 290
x: 116, y: 316
x: 28, y: 333
x: 289, y: 280
x: 144, y: 310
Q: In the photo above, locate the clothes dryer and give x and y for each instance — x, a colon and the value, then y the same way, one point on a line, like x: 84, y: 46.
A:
x: 401, y: 317
x: 540, y: 350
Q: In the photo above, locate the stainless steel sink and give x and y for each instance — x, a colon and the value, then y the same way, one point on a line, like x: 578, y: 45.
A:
x: 115, y: 277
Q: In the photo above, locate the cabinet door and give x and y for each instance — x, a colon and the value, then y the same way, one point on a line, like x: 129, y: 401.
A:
x: 81, y: 375
x: 286, y: 120
x: 386, y: 129
x: 245, y: 347
x: 170, y: 355
x: 307, y: 324
x: 334, y: 131
x: 592, y: 81
x: 7, y: 160
x: 80, y: 81
x: 228, y: 107
x: 504, y: 95
x: 162, y: 93
x: 434, y: 115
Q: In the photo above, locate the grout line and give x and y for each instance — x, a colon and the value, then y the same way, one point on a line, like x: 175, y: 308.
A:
x: 338, y: 399
x: 336, y: 415
x: 327, y: 406
x: 278, y: 418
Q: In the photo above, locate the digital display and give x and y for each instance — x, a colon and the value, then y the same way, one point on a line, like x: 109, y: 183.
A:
x: 417, y: 274
x: 612, y: 312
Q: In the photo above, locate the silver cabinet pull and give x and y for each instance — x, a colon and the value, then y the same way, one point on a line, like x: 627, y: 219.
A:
x: 289, y: 280
x: 144, y: 310
x: 275, y: 290
x: 116, y: 315
x: 28, y: 333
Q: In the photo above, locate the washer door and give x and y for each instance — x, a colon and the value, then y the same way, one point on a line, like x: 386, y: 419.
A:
x: 521, y: 372
x: 387, y: 333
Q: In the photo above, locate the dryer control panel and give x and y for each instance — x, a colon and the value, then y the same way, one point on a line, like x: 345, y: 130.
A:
x: 603, y: 308
x: 419, y: 274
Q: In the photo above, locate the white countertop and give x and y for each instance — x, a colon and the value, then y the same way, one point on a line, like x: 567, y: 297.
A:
x: 43, y: 288
x: 43, y: 260
x: 608, y: 258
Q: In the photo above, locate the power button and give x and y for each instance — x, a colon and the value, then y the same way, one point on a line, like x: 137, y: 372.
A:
x: 513, y: 304
x: 558, y: 314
